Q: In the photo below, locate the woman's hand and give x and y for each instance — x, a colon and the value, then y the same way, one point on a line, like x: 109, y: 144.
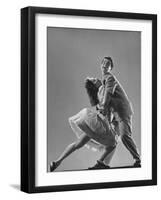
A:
x: 101, y: 110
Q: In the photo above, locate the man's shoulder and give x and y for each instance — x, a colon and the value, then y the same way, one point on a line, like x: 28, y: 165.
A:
x: 110, y: 78
x: 108, y: 75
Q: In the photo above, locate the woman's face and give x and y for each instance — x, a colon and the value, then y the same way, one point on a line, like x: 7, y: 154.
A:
x: 97, y: 82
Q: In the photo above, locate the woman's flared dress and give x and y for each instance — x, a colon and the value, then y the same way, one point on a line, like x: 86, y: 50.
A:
x: 94, y: 125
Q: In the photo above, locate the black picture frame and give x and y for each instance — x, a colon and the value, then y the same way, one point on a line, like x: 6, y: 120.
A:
x: 28, y: 73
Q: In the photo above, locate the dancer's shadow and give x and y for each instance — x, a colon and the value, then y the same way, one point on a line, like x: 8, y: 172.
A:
x: 15, y: 186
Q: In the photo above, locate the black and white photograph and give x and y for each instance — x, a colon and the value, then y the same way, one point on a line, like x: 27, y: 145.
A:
x: 88, y: 99
x: 93, y: 99
x: 79, y: 100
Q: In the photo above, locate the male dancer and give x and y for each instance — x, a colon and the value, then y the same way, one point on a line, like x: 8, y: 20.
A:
x: 113, y: 96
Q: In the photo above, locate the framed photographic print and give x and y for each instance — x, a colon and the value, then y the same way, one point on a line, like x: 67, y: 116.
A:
x: 88, y: 99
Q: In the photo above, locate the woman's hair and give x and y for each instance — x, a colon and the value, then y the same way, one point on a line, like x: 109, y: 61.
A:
x: 92, y: 90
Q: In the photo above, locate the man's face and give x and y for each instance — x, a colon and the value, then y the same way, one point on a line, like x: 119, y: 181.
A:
x: 105, y: 66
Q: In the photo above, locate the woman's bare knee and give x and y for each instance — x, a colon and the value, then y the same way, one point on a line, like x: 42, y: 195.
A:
x: 82, y: 141
x: 110, y: 148
x: 78, y: 145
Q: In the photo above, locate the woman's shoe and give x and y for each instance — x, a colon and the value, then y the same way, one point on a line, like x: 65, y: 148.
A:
x: 52, y: 166
x: 99, y: 165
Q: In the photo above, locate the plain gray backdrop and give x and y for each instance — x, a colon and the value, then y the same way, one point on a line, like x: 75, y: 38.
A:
x: 72, y: 55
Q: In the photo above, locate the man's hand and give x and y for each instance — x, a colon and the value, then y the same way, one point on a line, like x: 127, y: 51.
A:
x: 102, y: 111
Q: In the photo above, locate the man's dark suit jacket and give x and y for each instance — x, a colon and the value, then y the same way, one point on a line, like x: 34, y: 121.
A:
x: 112, y: 95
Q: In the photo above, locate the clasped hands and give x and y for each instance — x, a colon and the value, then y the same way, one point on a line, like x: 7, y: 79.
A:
x: 101, y: 110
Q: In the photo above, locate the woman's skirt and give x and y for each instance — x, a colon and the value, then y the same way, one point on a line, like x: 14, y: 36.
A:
x: 94, y: 125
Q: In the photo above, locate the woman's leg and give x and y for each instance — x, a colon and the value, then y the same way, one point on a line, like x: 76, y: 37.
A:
x: 107, y: 152
x: 109, y: 157
x: 72, y: 147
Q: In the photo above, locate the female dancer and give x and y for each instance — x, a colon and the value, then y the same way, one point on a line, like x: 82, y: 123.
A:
x: 92, y: 129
